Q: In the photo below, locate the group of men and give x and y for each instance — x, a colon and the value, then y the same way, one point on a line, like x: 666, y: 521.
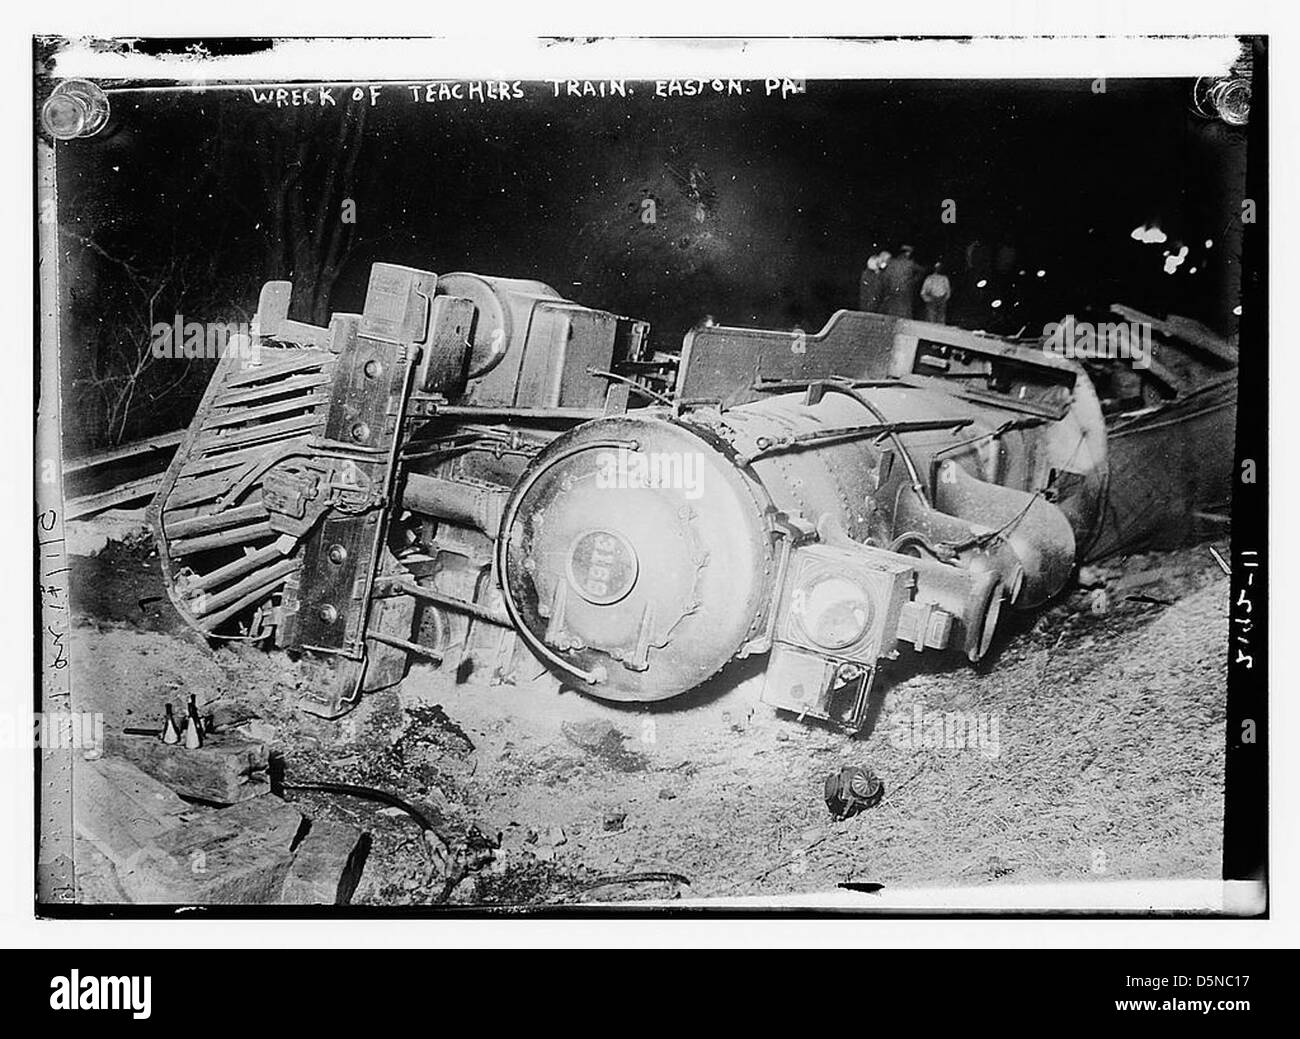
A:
x: 895, y: 284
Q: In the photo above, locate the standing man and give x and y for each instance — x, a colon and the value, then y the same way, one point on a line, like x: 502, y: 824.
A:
x: 936, y: 290
x: 869, y: 289
x: 899, y: 284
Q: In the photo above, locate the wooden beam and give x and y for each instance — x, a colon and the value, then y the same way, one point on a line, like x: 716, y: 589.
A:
x: 165, y: 442
x: 135, y: 490
x: 1205, y: 339
x: 222, y: 771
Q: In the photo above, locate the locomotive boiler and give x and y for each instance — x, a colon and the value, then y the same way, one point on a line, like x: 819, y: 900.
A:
x: 477, y: 472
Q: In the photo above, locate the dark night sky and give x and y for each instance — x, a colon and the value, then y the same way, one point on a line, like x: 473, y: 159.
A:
x: 796, y: 194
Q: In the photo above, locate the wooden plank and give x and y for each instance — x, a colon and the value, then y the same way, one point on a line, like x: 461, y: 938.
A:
x: 1138, y: 316
x: 225, y: 770
x: 119, y: 813
x: 1164, y: 375
x: 165, y: 442
x: 1206, y: 339
x: 327, y: 865
x: 136, y: 490
x: 222, y: 856
x: 138, y: 842
x: 1183, y: 329
x: 130, y: 806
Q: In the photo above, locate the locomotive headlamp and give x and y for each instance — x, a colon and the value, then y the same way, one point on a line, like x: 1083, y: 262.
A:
x: 844, y: 606
x: 834, y: 611
x: 836, y: 615
x: 840, y: 603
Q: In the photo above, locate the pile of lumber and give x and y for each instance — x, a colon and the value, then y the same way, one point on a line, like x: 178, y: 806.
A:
x: 1189, y: 352
x: 228, y: 841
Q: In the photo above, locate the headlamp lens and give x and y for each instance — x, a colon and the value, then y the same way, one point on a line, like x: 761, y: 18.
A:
x: 834, y: 611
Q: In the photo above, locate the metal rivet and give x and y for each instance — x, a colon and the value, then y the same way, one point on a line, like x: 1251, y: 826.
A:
x: 360, y: 431
x: 328, y: 613
x: 372, y: 369
x: 338, y: 555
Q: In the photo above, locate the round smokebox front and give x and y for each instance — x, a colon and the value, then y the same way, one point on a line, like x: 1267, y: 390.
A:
x: 636, y: 558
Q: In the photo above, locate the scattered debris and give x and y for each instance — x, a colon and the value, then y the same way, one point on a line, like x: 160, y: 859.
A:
x: 438, y: 841
x: 453, y: 858
x: 995, y: 868
x: 852, y: 789
x: 1223, y: 563
x: 603, y: 741
x: 91, y: 535
x: 259, y: 730
x: 733, y: 828
x: 647, y: 877
x: 614, y: 821
x: 1091, y: 577
x: 1222, y: 352
x: 1148, y: 600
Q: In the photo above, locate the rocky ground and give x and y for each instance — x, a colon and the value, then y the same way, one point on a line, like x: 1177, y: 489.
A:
x: 1096, y: 751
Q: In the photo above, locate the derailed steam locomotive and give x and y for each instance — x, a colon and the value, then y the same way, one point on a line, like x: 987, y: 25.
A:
x: 478, y: 472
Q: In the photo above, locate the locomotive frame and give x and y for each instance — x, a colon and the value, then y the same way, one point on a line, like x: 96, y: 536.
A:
x: 353, y: 493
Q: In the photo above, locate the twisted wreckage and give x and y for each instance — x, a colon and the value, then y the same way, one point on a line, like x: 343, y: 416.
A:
x: 480, y: 473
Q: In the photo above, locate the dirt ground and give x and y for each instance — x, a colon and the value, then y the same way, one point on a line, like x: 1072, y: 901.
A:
x: 1095, y: 751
